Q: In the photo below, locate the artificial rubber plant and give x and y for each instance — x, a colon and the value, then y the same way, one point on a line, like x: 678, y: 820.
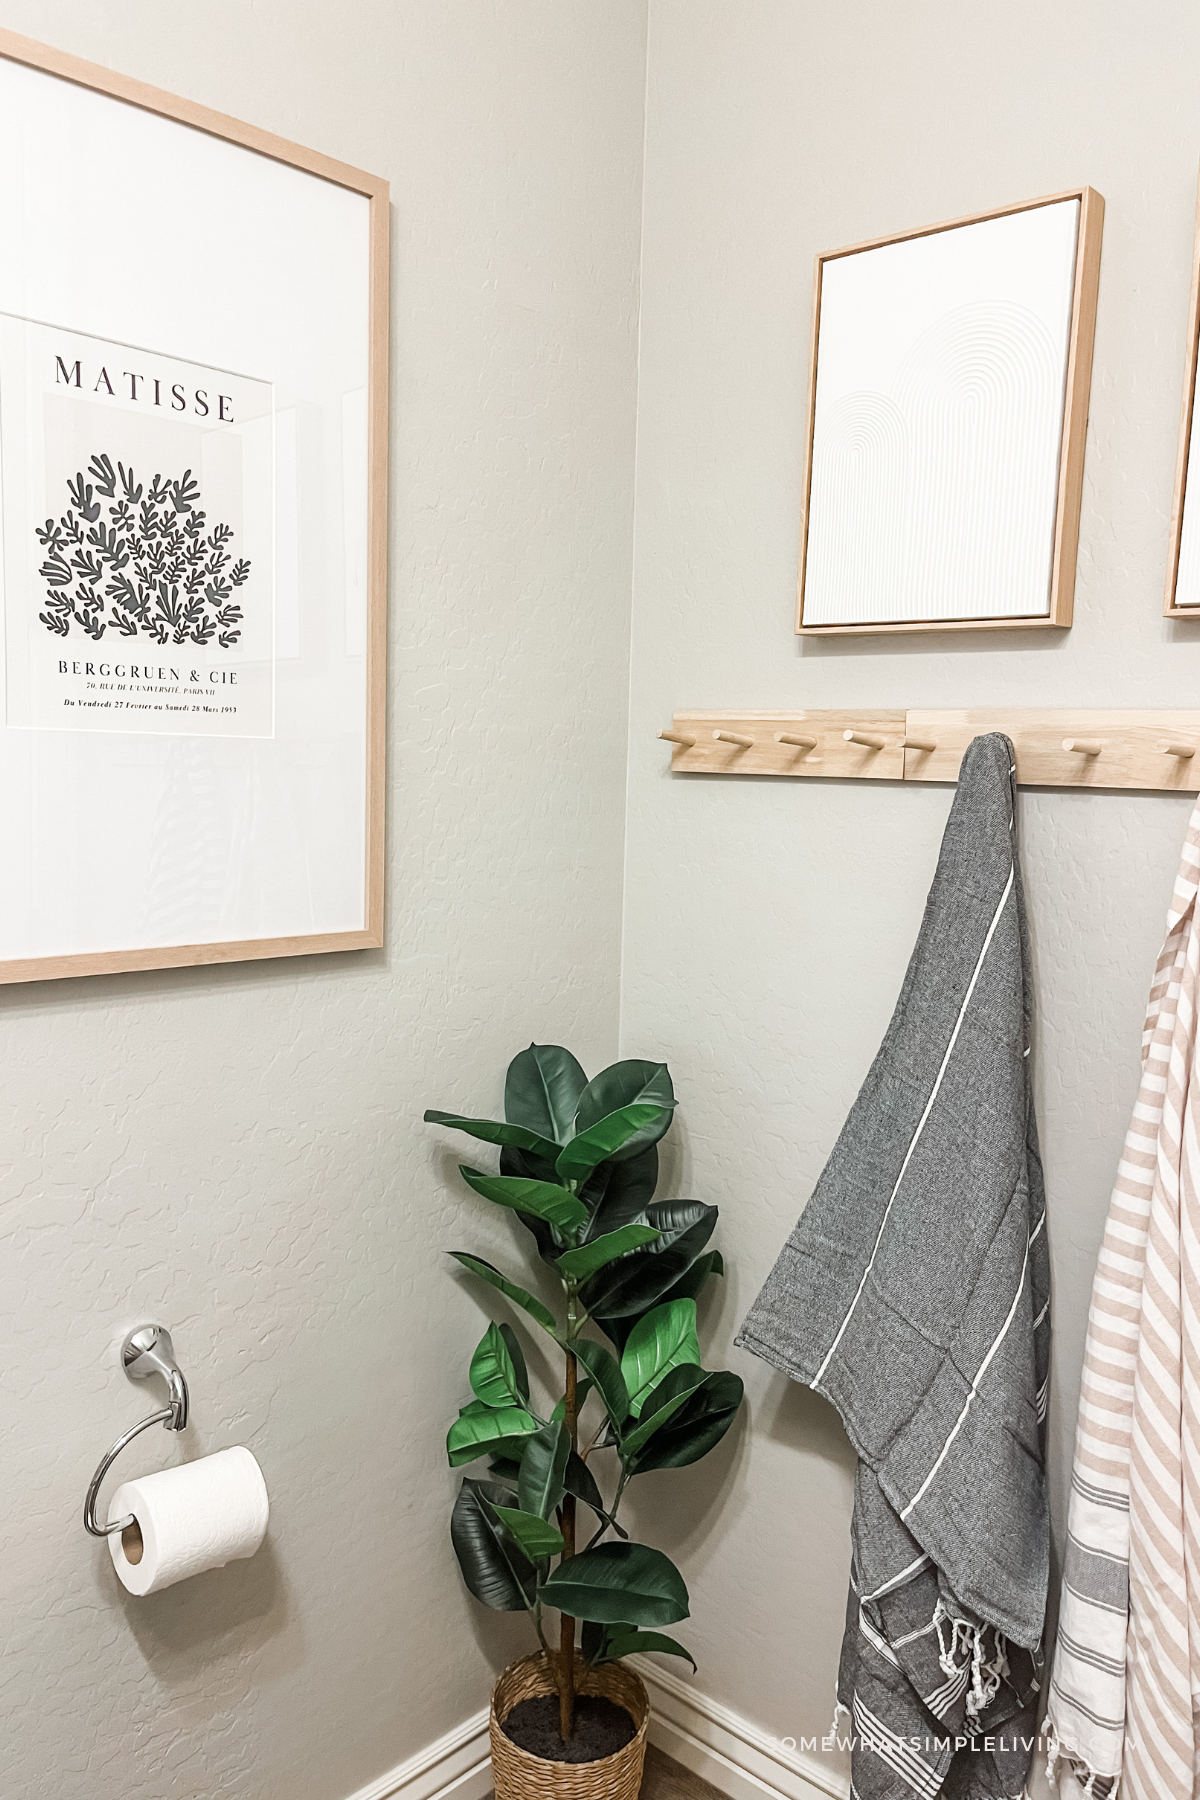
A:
x: 578, y: 1167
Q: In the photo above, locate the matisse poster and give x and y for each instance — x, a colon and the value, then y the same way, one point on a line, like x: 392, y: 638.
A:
x: 137, y: 500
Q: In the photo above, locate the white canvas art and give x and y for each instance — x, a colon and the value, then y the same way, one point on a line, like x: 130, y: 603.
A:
x: 938, y: 423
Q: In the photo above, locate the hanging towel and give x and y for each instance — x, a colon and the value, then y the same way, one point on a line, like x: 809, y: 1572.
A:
x: 914, y: 1294
x: 1126, y: 1667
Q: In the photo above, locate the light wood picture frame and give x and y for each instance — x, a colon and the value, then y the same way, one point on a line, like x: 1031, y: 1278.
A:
x: 213, y: 789
x: 994, y: 311
x: 1182, y: 597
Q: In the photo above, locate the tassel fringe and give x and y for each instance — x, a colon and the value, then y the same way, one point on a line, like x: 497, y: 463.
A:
x: 1092, y: 1785
x: 969, y: 1641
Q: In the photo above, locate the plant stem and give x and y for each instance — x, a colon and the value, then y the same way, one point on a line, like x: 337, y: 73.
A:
x: 566, y: 1638
x: 600, y: 1430
x: 612, y: 1511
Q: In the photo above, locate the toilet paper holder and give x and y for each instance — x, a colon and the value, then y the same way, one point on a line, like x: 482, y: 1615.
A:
x: 146, y: 1351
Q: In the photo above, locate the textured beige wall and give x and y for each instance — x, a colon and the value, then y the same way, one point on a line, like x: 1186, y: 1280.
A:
x: 768, y: 924
x: 239, y: 1152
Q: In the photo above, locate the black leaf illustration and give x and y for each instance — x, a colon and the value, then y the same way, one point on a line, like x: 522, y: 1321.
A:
x: 101, y: 471
x: 161, y: 574
x: 56, y: 570
x: 81, y: 498
x: 185, y: 492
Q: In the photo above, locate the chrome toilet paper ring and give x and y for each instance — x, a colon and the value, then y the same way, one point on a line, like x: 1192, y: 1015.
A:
x: 146, y: 1351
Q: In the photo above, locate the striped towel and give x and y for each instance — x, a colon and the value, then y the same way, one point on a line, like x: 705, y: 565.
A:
x: 1127, y: 1662
x: 915, y: 1294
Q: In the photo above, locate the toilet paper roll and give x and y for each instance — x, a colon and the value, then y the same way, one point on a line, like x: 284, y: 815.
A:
x: 198, y: 1516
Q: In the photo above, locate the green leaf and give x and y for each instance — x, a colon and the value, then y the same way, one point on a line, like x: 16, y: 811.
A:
x: 493, y: 1376
x: 602, y: 1366
x: 691, y: 1431
x: 542, y: 1089
x: 579, y: 1480
x: 634, y: 1441
x: 599, y: 1251
x: 515, y: 1164
x: 538, y: 1539
x: 623, y: 1084
x: 490, y: 1131
x: 528, y: 1166
x: 481, y: 1434
x: 556, y: 1205
x: 620, y: 1192
x: 619, y: 1643
x: 494, y: 1567
x: 609, y: 1137
x: 582, y: 1390
x: 505, y: 1470
x: 690, y: 1285
x: 679, y: 1380
x: 495, y: 1279
x: 663, y: 1339
x: 543, y: 1464
x: 618, y: 1584
x: 515, y: 1351
x: 641, y: 1279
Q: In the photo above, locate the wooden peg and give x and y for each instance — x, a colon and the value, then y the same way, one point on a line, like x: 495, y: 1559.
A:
x: 865, y: 738
x: 1083, y: 746
x: 1183, y: 751
x: 800, y: 743
x: 731, y: 737
x: 926, y: 744
x: 677, y: 737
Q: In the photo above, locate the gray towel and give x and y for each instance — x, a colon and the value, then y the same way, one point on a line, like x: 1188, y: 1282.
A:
x: 914, y: 1293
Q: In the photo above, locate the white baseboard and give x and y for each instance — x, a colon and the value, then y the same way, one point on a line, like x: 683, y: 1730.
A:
x: 718, y: 1744
x: 709, y: 1739
x: 456, y: 1767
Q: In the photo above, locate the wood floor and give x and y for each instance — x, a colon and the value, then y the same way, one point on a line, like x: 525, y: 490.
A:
x: 665, y: 1779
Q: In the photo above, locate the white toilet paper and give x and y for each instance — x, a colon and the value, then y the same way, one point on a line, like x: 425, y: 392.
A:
x: 198, y: 1516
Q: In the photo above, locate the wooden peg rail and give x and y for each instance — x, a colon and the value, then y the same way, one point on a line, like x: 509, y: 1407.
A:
x: 1053, y: 749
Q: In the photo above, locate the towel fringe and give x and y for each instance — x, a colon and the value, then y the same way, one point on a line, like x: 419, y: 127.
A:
x: 970, y: 1641
x: 1093, y: 1785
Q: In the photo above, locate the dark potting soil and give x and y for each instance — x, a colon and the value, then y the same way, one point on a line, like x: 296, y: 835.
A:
x: 601, y: 1727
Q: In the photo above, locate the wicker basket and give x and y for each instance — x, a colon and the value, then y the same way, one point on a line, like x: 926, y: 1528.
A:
x: 520, y: 1776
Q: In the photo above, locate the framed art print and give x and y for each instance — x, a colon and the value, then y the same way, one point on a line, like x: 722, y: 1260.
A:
x: 193, y: 431
x: 948, y: 398
x: 1183, y: 560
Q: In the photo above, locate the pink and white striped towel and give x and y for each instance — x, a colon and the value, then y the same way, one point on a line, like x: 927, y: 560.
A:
x: 1126, y: 1672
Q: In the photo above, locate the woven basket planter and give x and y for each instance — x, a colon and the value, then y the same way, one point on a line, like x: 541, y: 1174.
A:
x: 520, y: 1776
